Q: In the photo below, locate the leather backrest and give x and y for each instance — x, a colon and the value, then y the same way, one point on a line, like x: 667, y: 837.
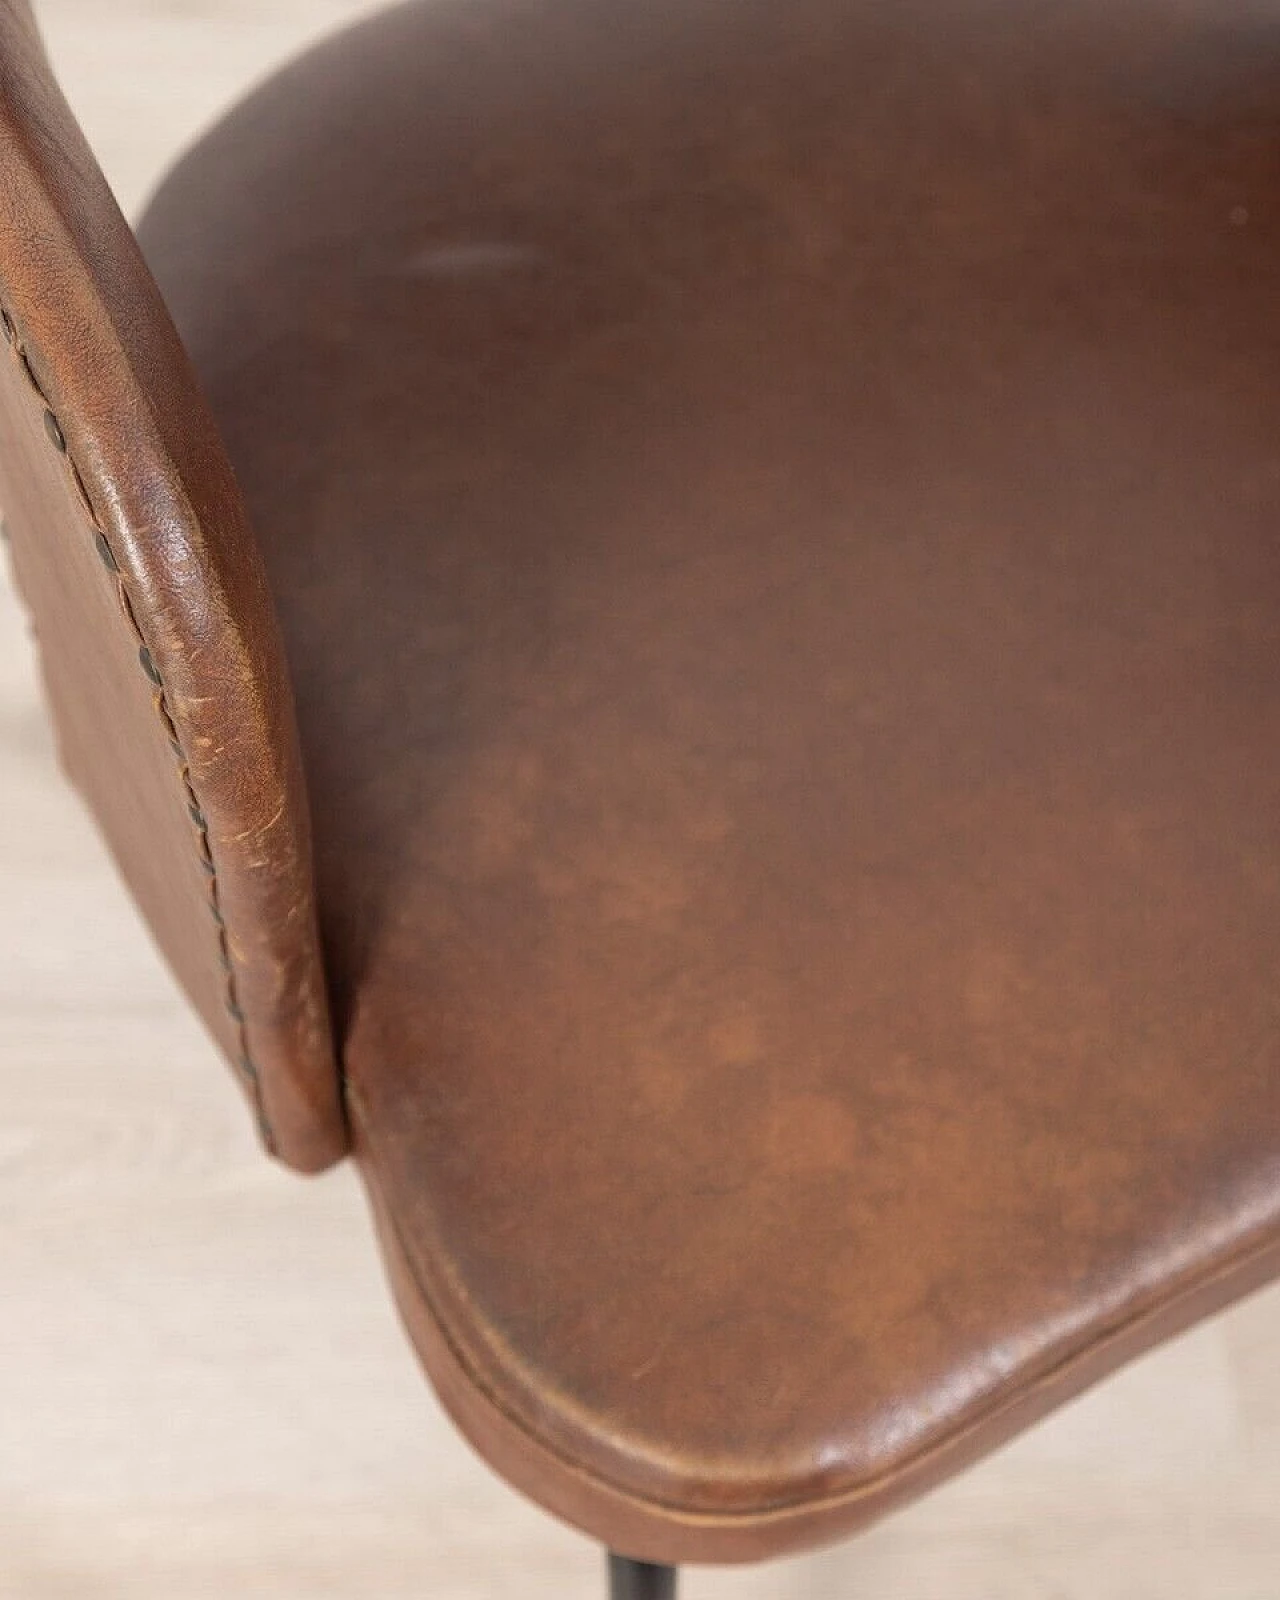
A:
x: 155, y: 628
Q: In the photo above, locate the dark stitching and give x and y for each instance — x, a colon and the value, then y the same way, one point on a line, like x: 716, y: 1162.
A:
x: 245, y: 1063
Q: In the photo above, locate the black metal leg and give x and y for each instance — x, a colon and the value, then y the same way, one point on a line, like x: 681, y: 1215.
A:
x: 640, y: 1580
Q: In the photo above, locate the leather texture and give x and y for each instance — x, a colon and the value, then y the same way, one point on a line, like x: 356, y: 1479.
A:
x: 773, y: 513
x: 157, y: 636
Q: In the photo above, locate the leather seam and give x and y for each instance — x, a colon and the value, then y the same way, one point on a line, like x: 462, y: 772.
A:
x: 245, y: 1065
x: 783, y: 1510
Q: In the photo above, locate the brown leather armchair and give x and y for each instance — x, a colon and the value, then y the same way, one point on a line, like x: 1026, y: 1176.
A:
x: 673, y: 614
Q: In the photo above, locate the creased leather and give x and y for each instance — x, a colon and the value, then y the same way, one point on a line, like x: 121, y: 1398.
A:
x: 187, y: 754
x: 773, y: 513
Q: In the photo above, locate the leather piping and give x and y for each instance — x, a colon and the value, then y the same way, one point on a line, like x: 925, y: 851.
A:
x: 1058, y: 1375
x: 244, y: 1062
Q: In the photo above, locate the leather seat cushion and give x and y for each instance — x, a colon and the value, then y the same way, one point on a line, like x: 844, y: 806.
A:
x: 774, y: 521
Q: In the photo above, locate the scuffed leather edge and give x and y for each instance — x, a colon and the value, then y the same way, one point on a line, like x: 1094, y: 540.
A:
x: 666, y: 1524
x: 102, y: 354
x: 244, y: 1062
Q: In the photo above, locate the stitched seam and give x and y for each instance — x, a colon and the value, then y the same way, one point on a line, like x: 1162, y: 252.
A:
x: 1058, y: 1370
x: 245, y: 1064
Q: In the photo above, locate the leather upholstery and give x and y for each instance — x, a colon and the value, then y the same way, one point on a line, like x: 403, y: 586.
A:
x: 773, y: 514
x: 158, y: 641
x: 773, y: 523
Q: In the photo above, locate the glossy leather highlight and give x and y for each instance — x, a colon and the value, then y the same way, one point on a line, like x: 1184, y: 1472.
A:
x: 158, y: 642
x: 772, y: 511
x: 769, y: 512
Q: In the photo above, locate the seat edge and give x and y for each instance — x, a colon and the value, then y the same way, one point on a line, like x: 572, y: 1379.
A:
x: 674, y: 1529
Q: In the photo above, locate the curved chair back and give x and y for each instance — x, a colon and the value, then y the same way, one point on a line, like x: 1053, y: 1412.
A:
x: 156, y: 631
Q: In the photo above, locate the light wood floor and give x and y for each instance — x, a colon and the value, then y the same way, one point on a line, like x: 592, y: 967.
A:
x: 202, y: 1389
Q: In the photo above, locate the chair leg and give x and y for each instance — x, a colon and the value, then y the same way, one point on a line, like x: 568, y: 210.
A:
x: 640, y: 1580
